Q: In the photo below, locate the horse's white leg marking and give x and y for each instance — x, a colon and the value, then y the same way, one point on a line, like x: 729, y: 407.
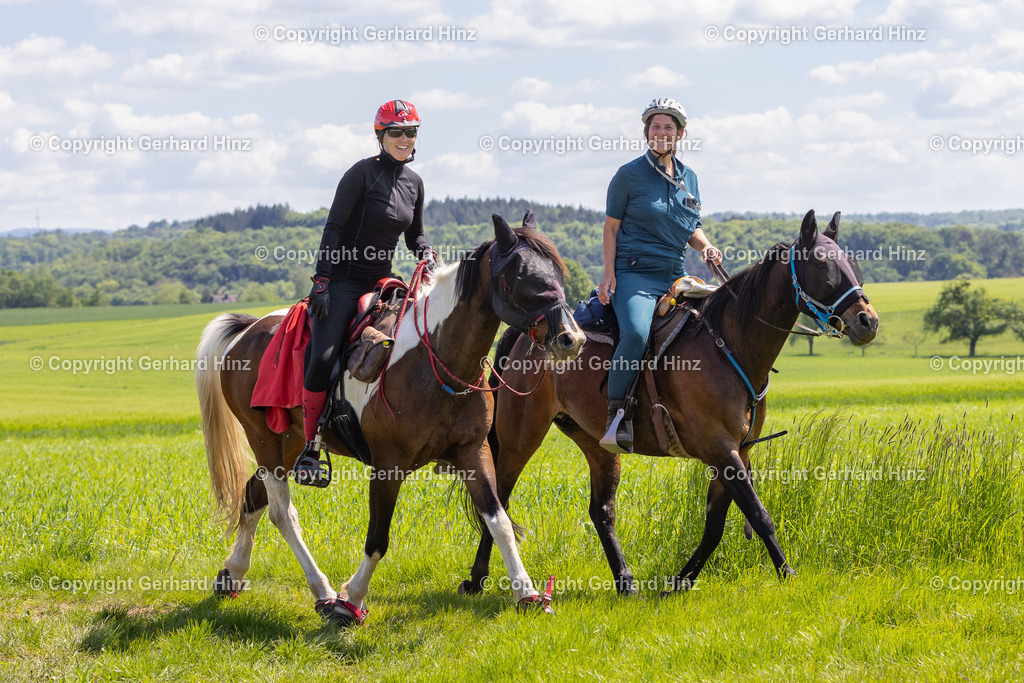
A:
x: 283, y: 515
x: 356, y: 588
x: 500, y: 527
x: 241, y: 553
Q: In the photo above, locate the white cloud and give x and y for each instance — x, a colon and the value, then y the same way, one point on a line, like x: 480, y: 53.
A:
x: 657, y: 77
x: 961, y: 15
x: 464, y: 174
x: 332, y: 149
x: 530, y: 88
x: 853, y: 101
x: 49, y: 57
x: 542, y: 119
x: 439, y: 98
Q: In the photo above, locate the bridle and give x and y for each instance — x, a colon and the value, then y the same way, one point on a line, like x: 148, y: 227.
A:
x: 505, y: 296
x: 821, y: 313
x: 515, y: 315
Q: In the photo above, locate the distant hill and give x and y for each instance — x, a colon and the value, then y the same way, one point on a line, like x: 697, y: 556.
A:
x: 263, y: 253
x: 1000, y: 219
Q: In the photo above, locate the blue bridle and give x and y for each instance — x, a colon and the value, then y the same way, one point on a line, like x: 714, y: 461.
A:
x: 821, y: 313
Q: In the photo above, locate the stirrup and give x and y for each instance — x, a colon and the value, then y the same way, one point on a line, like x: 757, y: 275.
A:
x: 619, y: 436
x: 309, y: 469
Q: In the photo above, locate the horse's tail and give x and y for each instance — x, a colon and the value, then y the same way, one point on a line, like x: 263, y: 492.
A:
x: 227, y: 455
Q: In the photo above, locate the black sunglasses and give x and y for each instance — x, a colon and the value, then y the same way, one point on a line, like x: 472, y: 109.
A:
x: 398, y: 132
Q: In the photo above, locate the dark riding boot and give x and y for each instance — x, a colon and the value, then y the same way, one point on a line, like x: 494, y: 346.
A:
x: 618, y: 436
x: 309, y: 469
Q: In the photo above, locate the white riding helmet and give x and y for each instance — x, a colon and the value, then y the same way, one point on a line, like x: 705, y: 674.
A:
x: 665, y: 105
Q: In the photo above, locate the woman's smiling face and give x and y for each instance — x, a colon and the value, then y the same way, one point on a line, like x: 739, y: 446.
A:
x: 401, y: 147
x: 663, y: 133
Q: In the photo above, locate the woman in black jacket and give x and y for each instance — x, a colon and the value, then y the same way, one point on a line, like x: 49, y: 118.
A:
x: 378, y: 200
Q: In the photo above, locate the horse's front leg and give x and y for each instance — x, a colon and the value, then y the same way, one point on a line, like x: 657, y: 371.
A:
x: 383, y: 496
x: 477, y: 471
x: 731, y: 472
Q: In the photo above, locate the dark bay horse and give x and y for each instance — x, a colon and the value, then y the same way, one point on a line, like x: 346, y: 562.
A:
x: 707, y: 401
x: 517, y: 278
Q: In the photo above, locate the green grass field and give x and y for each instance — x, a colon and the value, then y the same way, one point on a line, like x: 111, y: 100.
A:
x: 897, y: 496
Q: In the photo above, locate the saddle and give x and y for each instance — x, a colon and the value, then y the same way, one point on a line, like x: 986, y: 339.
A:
x: 599, y: 323
x: 369, y: 346
x: 369, y: 336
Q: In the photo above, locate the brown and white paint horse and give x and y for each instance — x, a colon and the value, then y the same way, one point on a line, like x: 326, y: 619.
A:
x: 517, y: 279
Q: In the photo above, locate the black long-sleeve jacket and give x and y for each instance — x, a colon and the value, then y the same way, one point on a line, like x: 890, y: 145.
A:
x: 377, y: 200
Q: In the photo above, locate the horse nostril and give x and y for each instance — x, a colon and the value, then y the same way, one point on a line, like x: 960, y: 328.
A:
x: 866, y: 320
x: 564, y: 341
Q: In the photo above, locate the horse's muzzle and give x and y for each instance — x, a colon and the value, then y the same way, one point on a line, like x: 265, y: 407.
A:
x: 860, y: 323
x: 567, y: 339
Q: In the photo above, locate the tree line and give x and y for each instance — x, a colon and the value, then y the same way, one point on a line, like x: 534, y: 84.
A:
x: 191, y: 261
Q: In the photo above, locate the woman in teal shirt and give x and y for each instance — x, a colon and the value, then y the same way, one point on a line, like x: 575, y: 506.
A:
x: 653, y: 213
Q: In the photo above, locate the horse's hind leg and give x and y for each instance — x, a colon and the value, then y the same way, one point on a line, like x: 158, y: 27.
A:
x: 231, y: 579
x: 283, y: 515
x: 605, y: 470
x: 714, y: 524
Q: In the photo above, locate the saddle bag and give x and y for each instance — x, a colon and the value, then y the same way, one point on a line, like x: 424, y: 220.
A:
x: 595, y: 316
x: 368, y: 354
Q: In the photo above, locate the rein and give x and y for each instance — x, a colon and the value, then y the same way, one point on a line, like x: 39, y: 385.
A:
x: 435, y: 361
x: 821, y: 313
x: 723, y: 279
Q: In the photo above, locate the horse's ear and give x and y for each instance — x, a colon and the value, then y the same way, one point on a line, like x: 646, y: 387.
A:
x: 833, y: 227
x: 809, y: 228
x: 529, y: 221
x: 503, y: 234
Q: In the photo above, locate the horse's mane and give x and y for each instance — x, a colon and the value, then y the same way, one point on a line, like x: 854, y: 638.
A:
x: 468, y: 277
x: 748, y: 285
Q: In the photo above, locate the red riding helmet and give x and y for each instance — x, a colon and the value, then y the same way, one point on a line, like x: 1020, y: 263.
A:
x: 396, y: 114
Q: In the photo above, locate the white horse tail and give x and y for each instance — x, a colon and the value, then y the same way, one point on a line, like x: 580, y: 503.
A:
x: 227, y: 453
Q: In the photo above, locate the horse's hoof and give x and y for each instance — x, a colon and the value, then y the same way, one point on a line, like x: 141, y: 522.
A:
x: 786, y: 572
x: 224, y: 586
x: 340, y: 612
x: 470, y: 587
x: 535, y: 604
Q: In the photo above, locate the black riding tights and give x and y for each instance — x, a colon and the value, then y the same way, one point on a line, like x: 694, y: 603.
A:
x: 327, y: 337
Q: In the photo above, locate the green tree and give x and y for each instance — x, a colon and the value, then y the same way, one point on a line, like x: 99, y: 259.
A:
x: 951, y: 265
x: 578, y: 284
x: 914, y: 338
x: 806, y: 321
x: 968, y: 314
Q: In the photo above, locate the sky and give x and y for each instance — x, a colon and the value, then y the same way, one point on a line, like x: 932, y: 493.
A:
x: 118, y: 112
